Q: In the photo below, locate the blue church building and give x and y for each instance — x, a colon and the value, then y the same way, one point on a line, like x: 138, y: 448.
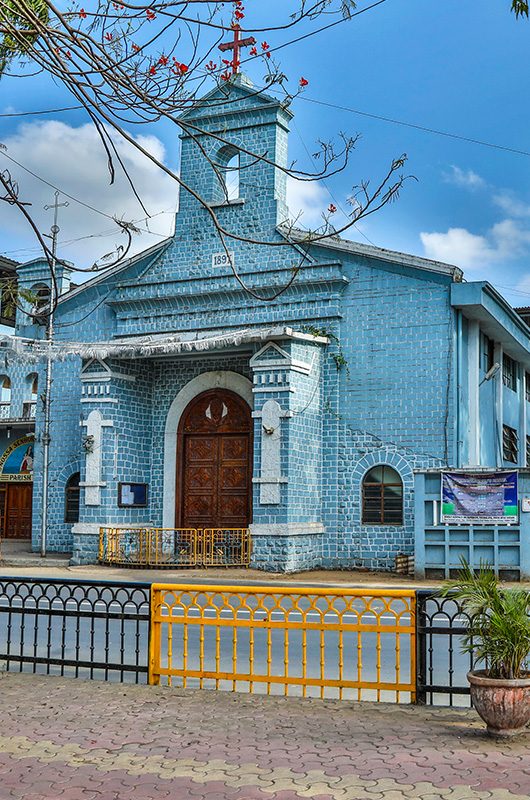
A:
x: 324, y: 421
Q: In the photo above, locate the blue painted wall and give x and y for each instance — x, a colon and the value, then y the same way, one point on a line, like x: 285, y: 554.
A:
x: 400, y: 397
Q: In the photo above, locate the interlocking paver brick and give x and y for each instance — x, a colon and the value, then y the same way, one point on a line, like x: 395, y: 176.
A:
x: 113, y: 742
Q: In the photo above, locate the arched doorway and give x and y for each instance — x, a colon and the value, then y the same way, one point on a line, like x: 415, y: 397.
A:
x: 214, y: 462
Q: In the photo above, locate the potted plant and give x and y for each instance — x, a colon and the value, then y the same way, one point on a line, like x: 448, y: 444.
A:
x: 498, y: 634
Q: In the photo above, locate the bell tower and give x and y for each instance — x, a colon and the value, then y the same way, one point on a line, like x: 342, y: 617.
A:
x: 234, y: 146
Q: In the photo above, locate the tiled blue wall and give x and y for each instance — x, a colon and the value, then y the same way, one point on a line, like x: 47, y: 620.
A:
x: 394, y: 401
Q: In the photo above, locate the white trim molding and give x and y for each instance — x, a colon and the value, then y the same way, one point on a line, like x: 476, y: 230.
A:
x: 94, y: 425
x: 282, y: 360
x: 202, y: 383
x: 271, y: 416
x: 93, y: 528
x: 288, y: 529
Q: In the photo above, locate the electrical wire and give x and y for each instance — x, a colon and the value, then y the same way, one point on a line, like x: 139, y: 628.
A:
x: 52, y: 186
x: 348, y: 109
x: 328, y: 190
x: 37, y: 113
x: 73, y: 198
x: 358, y: 112
x: 423, y: 128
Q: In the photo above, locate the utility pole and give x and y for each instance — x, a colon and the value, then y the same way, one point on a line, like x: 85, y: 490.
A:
x: 46, y: 438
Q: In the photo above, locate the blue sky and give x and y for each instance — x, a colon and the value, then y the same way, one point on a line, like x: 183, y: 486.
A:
x: 458, y: 66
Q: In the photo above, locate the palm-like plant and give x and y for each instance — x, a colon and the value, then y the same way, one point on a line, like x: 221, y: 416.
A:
x: 498, y: 631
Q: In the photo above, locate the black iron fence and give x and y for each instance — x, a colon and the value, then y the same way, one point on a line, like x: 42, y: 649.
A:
x: 78, y: 628
x: 101, y: 629
x: 441, y: 665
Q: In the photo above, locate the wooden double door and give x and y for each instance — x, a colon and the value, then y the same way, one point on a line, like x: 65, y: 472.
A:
x: 214, y: 462
x: 15, y: 510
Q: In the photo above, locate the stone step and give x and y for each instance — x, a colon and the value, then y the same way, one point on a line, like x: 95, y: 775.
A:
x: 20, y: 558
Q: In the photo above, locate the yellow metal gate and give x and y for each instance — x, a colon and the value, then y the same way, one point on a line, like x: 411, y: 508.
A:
x: 175, y: 547
x: 344, y: 643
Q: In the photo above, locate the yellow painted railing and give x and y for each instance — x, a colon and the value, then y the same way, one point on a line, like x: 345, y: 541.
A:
x: 344, y: 643
x: 175, y: 547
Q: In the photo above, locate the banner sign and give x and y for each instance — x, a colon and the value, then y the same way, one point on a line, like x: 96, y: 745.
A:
x: 16, y: 463
x: 476, y: 498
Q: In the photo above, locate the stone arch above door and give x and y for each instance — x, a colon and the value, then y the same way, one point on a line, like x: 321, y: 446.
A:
x: 232, y: 381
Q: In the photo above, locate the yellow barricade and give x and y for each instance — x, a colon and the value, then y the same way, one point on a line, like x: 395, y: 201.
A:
x: 344, y: 643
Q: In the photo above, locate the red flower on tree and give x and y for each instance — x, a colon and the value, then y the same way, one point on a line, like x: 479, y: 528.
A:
x: 82, y: 13
x: 211, y: 65
x: 303, y: 82
x: 253, y: 51
x: 178, y: 68
x: 332, y: 208
x: 150, y: 14
x: 163, y: 60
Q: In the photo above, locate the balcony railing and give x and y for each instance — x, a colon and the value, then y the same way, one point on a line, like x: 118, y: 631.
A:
x: 175, y: 547
x: 28, y: 409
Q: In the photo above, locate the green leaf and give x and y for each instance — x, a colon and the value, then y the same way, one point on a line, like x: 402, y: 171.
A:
x: 498, y: 621
x: 17, y: 22
x: 520, y: 8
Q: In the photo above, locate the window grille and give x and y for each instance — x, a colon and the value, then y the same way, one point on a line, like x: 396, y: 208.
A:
x: 71, y: 501
x: 382, y: 497
x: 28, y: 409
x: 509, y: 373
x: 487, y: 354
x: 509, y: 444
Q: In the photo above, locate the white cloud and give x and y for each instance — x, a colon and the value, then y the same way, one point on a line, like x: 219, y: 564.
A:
x: 506, y: 240
x: 465, y: 178
x: 306, y: 201
x: 509, y: 203
x: 74, y: 160
x: 456, y: 246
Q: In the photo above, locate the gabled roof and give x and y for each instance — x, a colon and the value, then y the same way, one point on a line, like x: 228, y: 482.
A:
x: 242, y: 88
x: 8, y: 264
x: 153, y: 251
x: 371, y: 251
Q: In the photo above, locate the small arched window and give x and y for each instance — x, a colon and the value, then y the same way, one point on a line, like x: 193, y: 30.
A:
x: 71, y: 500
x: 382, y: 496
x: 5, y: 397
x: 231, y: 178
x: 228, y: 166
x: 30, y: 400
x: 41, y: 293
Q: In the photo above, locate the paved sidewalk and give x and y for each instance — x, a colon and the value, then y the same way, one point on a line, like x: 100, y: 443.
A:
x: 227, y: 575
x: 80, y: 740
x: 49, y: 568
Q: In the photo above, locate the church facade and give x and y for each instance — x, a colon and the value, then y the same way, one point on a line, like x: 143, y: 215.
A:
x: 322, y: 420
